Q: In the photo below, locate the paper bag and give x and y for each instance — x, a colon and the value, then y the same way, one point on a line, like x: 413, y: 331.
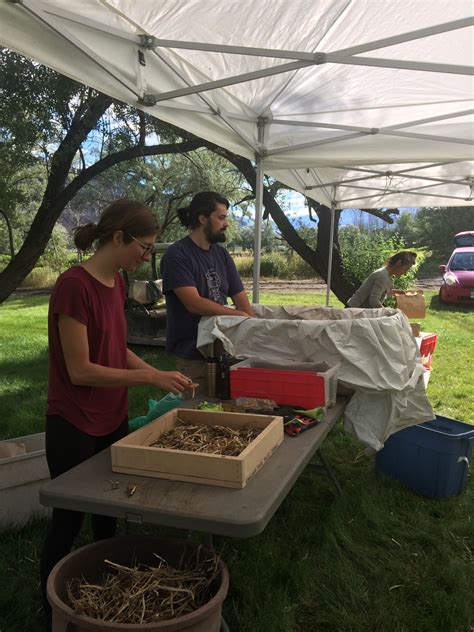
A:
x: 11, y: 448
x: 412, y: 304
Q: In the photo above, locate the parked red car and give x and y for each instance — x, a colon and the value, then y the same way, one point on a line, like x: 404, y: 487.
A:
x: 458, y: 274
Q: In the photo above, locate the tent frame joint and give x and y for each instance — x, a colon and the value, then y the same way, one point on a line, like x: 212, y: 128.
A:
x: 147, y: 100
x: 147, y: 41
x: 320, y: 58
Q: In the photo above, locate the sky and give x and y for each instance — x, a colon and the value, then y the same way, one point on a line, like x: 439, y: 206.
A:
x: 296, y: 209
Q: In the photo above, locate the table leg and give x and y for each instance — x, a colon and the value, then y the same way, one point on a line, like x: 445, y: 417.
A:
x: 207, y: 540
x: 224, y: 626
x: 327, y: 469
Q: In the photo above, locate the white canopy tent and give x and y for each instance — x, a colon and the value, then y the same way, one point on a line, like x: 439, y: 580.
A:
x: 354, y: 102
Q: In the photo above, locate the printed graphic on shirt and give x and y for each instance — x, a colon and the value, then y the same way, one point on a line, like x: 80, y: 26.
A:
x: 213, y: 283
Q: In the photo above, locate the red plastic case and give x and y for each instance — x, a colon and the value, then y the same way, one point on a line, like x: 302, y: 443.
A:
x: 288, y: 386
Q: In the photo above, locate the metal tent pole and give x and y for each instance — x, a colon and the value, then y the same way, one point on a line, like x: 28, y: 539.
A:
x: 331, y: 245
x: 258, y: 212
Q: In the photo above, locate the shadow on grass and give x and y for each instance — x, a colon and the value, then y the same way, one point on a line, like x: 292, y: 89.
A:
x: 26, y: 301
x: 23, y: 395
x: 437, y: 306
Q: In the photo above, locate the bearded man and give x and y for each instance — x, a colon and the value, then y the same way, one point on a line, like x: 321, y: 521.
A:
x: 199, y: 276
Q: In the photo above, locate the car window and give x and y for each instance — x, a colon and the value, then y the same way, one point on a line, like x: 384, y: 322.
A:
x: 462, y: 261
x: 463, y: 240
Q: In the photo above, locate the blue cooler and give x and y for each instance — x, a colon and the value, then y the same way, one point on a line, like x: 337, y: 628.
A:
x: 432, y: 458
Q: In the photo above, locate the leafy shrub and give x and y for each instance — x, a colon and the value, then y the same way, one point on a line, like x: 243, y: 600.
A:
x: 362, y: 253
x: 4, y: 261
x: 40, y: 277
x: 276, y: 265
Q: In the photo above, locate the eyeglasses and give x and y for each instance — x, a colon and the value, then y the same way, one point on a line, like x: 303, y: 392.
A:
x: 147, y: 248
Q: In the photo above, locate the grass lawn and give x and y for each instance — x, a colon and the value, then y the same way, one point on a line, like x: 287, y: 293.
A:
x: 377, y: 559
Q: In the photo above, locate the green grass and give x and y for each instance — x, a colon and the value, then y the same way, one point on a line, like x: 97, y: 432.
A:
x: 377, y: 559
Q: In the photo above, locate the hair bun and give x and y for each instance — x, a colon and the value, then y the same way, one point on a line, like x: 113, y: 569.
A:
x: 184, y: 216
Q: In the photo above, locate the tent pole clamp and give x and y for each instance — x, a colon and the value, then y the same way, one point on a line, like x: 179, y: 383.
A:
x: 320, y: 58
x: 148, y: 41
x: 147, y: 100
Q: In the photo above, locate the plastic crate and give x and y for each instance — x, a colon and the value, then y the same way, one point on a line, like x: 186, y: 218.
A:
x: 431, y: 458
x: 306, y: 385
x: 427, y: 344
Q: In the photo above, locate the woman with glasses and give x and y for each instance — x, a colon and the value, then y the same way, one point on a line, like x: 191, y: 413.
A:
x: 90, y: 366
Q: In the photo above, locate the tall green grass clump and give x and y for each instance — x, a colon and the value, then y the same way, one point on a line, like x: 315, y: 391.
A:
x: 276, y: 265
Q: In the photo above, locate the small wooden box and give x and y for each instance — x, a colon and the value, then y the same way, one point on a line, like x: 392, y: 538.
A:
x: 133, y: 454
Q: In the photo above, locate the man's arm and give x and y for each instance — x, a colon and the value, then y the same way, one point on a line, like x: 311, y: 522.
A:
x: 242, y: 303
x: 196, y: 304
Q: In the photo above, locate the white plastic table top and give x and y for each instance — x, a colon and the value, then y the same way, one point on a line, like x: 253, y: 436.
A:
x: 215, y: 510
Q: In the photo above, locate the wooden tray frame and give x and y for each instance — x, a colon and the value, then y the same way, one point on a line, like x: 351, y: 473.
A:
x: 133, y: 454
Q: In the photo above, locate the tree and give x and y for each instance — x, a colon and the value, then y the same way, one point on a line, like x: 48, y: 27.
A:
x: 53, y: 109
x: 436, y: 227
x: 407, y: 229
x: 79, y: 137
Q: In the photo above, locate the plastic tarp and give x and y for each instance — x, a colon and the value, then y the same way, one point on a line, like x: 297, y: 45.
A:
x: 377, y: 351
x: 355, y: 103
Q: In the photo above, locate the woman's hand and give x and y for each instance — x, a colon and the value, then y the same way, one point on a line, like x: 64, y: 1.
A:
x: 172, y: 381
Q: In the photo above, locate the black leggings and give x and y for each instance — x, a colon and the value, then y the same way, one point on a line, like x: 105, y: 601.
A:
x: 66, y: 447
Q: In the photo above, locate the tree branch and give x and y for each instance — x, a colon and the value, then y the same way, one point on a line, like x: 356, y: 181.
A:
x: 385, y: 215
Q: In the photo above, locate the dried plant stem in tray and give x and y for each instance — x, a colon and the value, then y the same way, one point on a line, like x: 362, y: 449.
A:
x: 209, y: 439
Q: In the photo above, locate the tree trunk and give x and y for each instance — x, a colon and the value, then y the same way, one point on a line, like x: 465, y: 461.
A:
x: 10, y: 234
x: 317, y: 259
x: 54, y: 199
x: 58, y: 195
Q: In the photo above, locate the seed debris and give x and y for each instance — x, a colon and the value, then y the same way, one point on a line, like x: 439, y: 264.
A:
x: 131, y: 489
x: 146, y: 594
x: 221, y: 440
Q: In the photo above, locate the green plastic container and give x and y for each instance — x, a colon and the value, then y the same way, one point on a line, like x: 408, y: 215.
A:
x: 156, y: 409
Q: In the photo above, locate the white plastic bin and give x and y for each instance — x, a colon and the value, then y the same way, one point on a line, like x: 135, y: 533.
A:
x: 21, y: 477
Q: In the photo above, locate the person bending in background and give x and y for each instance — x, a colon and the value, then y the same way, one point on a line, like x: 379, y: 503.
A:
x: 90, y: 366
x: 198, y: 277
x: 378, y: 285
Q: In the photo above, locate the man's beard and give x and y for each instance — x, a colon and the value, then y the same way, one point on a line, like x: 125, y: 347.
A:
x: 213, y: 237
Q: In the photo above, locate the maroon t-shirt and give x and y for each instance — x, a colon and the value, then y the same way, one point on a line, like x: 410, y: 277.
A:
x: 94, y: 410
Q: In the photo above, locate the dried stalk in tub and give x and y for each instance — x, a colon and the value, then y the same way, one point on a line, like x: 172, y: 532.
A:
x: 145, y: 594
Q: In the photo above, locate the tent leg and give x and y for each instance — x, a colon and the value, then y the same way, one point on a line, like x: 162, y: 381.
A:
x: 331, y: 245
x: 258, y: 230
x: 257, y: 247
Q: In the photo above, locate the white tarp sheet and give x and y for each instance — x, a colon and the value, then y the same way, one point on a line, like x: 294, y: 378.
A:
x: 377, y: 351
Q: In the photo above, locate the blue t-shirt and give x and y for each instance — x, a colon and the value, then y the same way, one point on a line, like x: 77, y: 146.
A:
x: 212, y: 272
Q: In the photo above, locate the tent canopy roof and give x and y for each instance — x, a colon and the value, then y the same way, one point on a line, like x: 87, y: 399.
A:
x: 364, y: 103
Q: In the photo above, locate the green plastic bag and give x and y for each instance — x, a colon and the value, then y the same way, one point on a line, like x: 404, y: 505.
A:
x: 156, y: 409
